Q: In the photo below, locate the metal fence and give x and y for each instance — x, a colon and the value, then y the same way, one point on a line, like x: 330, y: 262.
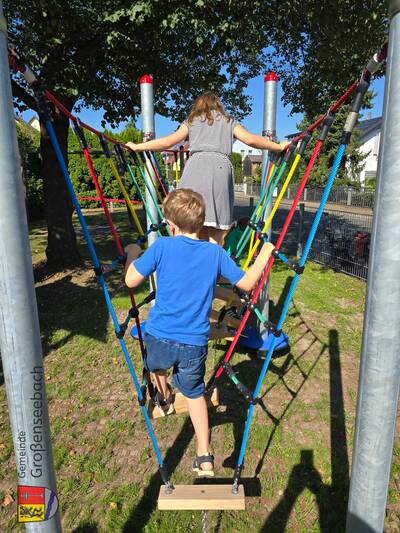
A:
x: 342, y: 241
x: 338, y: 195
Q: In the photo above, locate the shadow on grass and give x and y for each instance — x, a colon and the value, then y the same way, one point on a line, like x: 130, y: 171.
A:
x: 235, y: 414
x: 331, y: 499
x: 86, y: 528
x: 72, y: 308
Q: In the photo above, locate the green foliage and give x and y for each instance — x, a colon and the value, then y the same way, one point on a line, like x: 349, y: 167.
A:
x: 28, y: 142
x: 257, y: 176
x: 236, y: 160
x: 323, y: 46
x: 80, y: 174
x: 95, y: 51
x: 352, y: 162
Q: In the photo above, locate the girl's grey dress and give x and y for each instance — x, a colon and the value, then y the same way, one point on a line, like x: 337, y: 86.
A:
x: 208, y: 170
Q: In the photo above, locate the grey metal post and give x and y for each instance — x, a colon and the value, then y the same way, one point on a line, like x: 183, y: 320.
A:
x: 380, y: 358
x: 20, y: 346
x: 148, y: 128
x: 269, y: 130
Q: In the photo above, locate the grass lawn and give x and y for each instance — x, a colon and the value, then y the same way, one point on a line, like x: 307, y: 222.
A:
x: 298, y: 457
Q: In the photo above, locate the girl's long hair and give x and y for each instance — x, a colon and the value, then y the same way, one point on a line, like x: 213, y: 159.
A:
x: 203, y: 107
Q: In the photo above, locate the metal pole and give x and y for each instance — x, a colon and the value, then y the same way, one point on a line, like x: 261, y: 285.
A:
x: 19, y: 325
x: 380, y: 358
x: 269, y: 130
x: 148, y: 128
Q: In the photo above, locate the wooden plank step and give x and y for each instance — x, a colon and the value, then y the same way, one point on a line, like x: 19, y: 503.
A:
x: 201, y: 498
x: 180, y: 404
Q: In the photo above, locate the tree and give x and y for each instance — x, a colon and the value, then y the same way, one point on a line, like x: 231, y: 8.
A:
x: 28, y: 142
x: 324, y: 48
x: 352, y: 162
x: 236, y: 160
x: 79, y: 172
x: 91, y: 53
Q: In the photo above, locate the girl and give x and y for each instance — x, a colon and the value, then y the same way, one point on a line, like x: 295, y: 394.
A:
x: 208, y: 171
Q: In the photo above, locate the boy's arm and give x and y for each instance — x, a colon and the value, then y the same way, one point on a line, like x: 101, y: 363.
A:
x: 132, y: 277
x: 253, y: 274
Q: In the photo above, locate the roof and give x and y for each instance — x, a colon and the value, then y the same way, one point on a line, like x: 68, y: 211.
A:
x: 371, y: 124
x: 254, y: 158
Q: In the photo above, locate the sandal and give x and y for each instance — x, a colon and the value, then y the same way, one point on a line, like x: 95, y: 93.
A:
x: 200, y: 459
x: 164, y: 407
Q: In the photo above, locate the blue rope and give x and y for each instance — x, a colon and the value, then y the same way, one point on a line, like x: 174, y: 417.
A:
x: 96, y: 263
x: 289, y: 296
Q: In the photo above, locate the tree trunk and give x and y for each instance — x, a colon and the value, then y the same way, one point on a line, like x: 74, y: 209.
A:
x: 61, y: 248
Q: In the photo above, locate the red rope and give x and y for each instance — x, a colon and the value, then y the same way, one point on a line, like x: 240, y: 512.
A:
x: 72, y: 117
x: 115, y: 236
x: 103, y: 201
x: 334, y: 107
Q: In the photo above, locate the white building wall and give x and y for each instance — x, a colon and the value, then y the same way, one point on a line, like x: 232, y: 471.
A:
x: 370, y: 147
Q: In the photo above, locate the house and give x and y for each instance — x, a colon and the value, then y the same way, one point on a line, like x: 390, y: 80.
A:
x: 370, y: 136
x: 34, y: 123
x: 251, y: 163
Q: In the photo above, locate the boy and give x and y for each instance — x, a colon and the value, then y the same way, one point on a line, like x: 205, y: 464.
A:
x: 178, y: 326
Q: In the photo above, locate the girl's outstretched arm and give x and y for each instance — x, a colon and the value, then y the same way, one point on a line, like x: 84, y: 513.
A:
x: 163, y: 143
x: 257, y: 141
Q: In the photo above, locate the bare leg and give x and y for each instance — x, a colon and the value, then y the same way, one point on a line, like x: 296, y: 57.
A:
x: 217, y: 236
x: 199, y: 417
x: 160, y: 379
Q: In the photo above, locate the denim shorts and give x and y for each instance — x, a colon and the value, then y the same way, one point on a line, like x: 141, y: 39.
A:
x: 187, y: 361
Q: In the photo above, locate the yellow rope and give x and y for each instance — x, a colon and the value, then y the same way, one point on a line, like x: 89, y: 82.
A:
x: 273, y: 211
x: 176, y: 169
x: 125, y: 194
x: 260, y: 208
x: 155, y: 185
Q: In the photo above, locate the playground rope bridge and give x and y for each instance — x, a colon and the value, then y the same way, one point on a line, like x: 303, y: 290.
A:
x: 278, y: 172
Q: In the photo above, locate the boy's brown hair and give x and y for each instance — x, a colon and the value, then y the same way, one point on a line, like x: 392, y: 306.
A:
x: 186, y: 209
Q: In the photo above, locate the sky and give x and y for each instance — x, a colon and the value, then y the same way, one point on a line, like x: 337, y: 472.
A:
x: 286, y: 124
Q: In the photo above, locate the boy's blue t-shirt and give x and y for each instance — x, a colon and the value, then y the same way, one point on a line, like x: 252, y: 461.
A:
x: 187, y: 271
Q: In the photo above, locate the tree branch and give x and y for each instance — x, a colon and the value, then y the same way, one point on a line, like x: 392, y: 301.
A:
x: 21, y: 94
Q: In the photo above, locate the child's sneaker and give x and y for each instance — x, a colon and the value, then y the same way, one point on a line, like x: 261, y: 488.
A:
x: 164, y: 407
